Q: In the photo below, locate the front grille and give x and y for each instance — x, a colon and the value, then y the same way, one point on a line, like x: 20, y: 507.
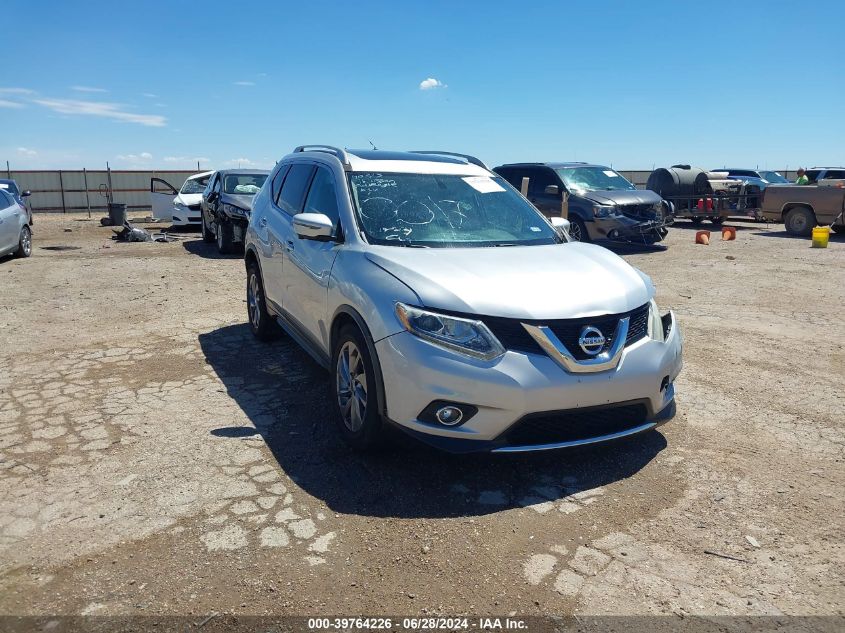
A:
x: 639, y: 211
x: 195, y: 207
x: 514, y: 337
x: 575, y: 424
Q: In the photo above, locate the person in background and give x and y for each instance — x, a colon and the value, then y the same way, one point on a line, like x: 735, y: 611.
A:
x: 802, y: 177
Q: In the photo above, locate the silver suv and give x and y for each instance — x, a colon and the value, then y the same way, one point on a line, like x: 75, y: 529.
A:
x: 442, y: 302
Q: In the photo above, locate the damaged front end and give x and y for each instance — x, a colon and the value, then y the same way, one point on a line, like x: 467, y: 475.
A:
x: 633, y: 223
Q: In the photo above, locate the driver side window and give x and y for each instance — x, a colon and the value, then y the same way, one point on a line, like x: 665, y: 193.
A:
x: 322, y: 197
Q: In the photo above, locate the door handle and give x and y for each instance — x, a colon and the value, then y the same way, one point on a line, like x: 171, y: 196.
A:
x: 262, y: 222
x: 289, y: 245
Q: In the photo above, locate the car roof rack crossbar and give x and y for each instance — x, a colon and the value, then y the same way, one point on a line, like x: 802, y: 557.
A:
x: 466, y: 157
x: 329, y: 149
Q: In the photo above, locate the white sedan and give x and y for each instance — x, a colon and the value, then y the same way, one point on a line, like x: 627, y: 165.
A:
x: 183, y: 208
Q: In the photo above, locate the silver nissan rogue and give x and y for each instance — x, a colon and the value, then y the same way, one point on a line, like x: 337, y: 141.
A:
x: 443, y: 303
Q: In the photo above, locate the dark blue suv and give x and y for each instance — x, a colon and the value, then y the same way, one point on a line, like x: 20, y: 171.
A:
x: 602, y: 204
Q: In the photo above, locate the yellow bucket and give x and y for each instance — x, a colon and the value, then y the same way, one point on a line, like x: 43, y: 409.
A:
x: 821, y: 234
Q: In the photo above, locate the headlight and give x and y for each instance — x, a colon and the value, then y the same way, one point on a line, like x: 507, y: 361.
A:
x: 461, y: 335
x: 235, y: 211
x: 178, y: 206
x: 655, y: 323
x: 602, y: 211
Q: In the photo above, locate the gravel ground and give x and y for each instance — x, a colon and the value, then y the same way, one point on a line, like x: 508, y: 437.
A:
x: 154, y: 459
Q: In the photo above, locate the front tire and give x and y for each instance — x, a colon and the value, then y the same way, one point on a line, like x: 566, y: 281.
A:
x: 24, y: 243
x: 354, y: 391
x: 718, y: 220
x: 261, y: 323
x: 225, y: 238
x: 578, y: 230
x: 207, y: 235
x: 799, y: 221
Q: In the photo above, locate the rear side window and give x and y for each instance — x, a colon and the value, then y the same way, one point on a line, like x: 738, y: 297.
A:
x: 322, y: 197
x: 278, y: 179
x: 293, y: 189
x: 834, y: 174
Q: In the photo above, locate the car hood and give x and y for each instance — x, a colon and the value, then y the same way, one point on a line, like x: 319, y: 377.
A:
x: 623, y: 196
x: 188, y: 198
x: 557, y: 281
x: 244, y: 201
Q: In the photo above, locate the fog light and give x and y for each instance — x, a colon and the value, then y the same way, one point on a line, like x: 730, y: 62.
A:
x: 449, y: 416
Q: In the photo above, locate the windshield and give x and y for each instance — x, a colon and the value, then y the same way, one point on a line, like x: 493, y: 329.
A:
x: 581, y: 179
x: 442, y: 211
x: 773, y: 177
x: 194, y: 185
x: 10, y: 187
x: 244, y: 184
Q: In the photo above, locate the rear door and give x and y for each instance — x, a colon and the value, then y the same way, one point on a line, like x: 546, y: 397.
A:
x: 161, y: 198
x: 280, y: 233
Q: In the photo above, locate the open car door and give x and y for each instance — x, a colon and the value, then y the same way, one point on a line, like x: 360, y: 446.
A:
x: 161, y: 198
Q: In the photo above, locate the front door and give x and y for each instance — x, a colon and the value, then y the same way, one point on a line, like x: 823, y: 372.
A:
x: 547, y: 203
x: 309, y: 262
x: 9, y: 222
x: 161, y: 198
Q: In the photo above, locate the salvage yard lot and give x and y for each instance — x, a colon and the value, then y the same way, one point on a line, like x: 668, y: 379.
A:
x: 155, y: 459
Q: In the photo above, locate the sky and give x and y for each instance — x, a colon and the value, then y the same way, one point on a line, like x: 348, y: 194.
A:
x: 638, y: 84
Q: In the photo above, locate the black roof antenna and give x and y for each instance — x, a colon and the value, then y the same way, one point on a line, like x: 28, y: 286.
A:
x: 373, y: 144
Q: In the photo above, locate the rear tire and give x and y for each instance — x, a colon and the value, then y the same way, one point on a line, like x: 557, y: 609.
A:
x: 578, y: 230
x: 696, y: 221
x: 261, y: 323
x: 799, y: 221
x: 24, y: 243
x: 225, y: 238
x: 354, y: 391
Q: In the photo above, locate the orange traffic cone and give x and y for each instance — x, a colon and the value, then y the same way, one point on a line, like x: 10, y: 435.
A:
x: 728, y: 233
x: 702, y: 237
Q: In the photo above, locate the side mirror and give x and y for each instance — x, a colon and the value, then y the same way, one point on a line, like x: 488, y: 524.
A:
x: 551, y: 190
x: 313, y: 226
x: 561, y: 224
x: 26, y: 193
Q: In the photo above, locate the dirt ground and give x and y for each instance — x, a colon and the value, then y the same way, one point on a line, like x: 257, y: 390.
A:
x: 154, y: 459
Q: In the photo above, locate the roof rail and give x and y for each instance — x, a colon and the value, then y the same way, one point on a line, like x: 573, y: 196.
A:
x: 466, y: 157
x: 328, y: 149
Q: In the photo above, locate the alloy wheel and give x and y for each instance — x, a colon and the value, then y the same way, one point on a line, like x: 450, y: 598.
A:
x: 575, y: 232
x: 351, y: 386
x: 253, y: 300
x: 26, y: 242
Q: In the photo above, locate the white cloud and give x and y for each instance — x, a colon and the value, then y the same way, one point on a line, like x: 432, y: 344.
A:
x: 244, y: 83
x: 17, y: 91
x: 10, y: 104
x: 101, y: 109
x: 149, y: 95
x: 186, y: 159
x: 243, y: 162
x: 27, y: 151
x: 431, y: 83
x: 134, y: 158
x: 87, y: 89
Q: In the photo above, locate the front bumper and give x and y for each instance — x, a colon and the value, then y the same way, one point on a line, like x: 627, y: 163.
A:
x: 516, y: 385
x: 621, y: 228
x: 184, y: 216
